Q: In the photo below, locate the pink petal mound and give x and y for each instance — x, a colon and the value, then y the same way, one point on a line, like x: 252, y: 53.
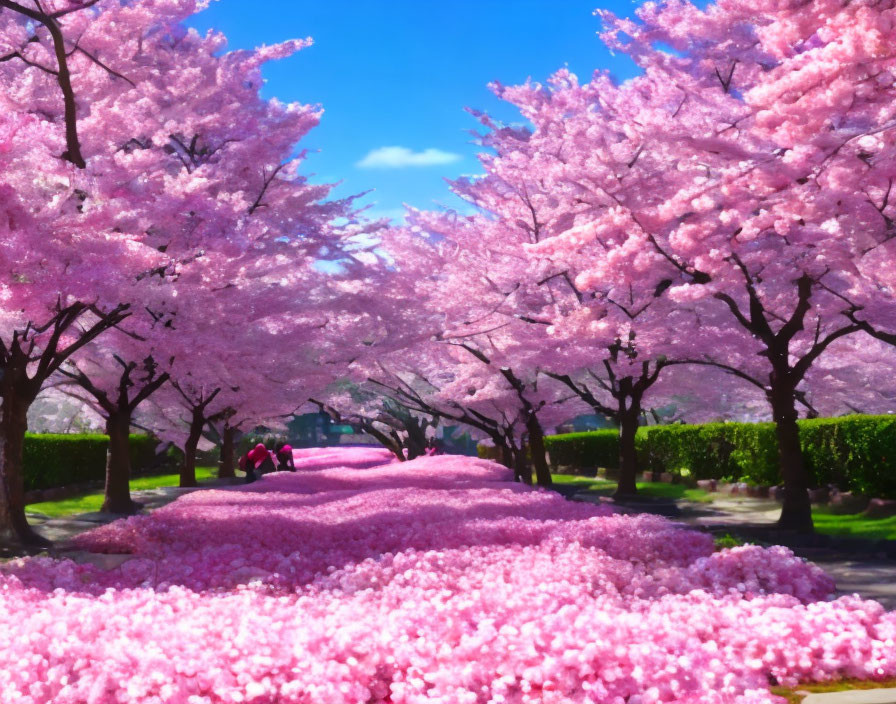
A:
x: 323, y: 458
x: 359, y: 580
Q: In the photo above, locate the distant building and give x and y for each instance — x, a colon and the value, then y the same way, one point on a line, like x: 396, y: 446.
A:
x: 319, y: 430
x: 584, y: 423
x: 456, y: 440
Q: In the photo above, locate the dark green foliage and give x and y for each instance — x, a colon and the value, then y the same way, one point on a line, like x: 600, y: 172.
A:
x: 143, y: 449
x: 855, y: 453
x: 204, y: 458
x: 489, y: 452
x: 59, y: 460
x: 726, y: 541
x: 742, y: 451
x: 209, y: 458
x: 597, y: 448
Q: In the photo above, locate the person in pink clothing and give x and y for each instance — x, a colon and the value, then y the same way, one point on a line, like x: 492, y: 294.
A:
x: 433, y: 447
x: 258, y: 459
x: 285, y: 461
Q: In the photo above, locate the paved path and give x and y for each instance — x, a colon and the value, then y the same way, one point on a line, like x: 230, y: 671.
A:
x: 860, y: 567
x: 730, y: 511
x: 873, y: 579
x: 60, y: 530
x: 854, y: 696
x: 869, y: 574
x: 872, y: 576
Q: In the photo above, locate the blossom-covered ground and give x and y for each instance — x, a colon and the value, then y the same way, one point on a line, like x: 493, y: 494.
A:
x: 438, y: 580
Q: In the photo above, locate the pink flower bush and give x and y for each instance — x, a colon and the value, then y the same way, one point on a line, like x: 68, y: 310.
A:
x: 436, y: 580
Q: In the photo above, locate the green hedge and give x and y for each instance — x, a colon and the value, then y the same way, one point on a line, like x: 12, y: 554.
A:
x: 740, y: 451
x: 58, y: 460
x: 143, y: 454
x: 856, y: 453
x: 598, y: 448
x: 488, y: 452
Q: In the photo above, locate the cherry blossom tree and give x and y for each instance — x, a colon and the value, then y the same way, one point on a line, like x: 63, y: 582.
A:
x: 118, y: 373
x: 724, y: 180
x: 486, y: 322
x: 767, y: 231
x: 852, y: 377
x: 61, y: 292
x: 606, y: 336
x: 396, y: 426
x: 434, y: 382
x: 133, y: 148
x: 72, y: 255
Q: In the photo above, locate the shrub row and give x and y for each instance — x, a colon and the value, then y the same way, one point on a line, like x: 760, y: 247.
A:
x: 738, y: 451
x: 57, y: 460
x: 855, y: 453
x: 489, y: 452
x: 597, y: 448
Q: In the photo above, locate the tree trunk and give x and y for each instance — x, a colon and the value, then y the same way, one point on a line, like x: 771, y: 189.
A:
x: 506, y: 455
x: 118, y: 465
x: 796, y: 513
x: 389, y: 443
x: 628, y: 460
x: 226, y: 468
x: 536, y: 447
x: 521, y: 469
x: 188, y: 469
x: 14, y: 528
x: 416, y: 440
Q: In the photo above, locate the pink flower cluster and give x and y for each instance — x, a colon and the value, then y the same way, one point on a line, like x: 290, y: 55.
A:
x: 436, y: 580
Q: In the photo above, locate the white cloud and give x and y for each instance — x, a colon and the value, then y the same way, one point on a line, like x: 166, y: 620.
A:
x: 402, y: 158
x: 396, y: 215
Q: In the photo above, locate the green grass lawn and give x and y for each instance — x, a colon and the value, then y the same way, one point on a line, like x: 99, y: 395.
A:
x: 651, y: 489
x: 93, y: 501
x: 585, y: 483
x: 855, y: 525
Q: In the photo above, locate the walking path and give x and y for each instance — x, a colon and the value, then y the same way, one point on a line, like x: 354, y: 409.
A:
x: 854, y: 565
x: 858, y: 566
x: 60, y: 530
x: 479, y: 572
x: 865, y: 567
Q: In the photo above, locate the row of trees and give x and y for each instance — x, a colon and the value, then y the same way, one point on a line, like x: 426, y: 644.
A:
x: 160, y: 254
x: 718, y: 231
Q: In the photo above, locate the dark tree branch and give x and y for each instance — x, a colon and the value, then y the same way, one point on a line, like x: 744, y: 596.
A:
x: 802, y: 366
x: 82, y: 380
x: 726, y: 80
x: 63, y: 75
x: 264, y: 188
x: 103, y: 66
x: 51, y: 363
x: 734, y: 371
x: 583, y: 392
x: 795, y: 323
x: 74, y: 8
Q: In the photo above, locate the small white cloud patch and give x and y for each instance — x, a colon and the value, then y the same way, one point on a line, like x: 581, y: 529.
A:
x: 402, y: 158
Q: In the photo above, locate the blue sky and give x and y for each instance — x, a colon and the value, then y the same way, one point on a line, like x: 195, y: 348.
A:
x: 399, y: 73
